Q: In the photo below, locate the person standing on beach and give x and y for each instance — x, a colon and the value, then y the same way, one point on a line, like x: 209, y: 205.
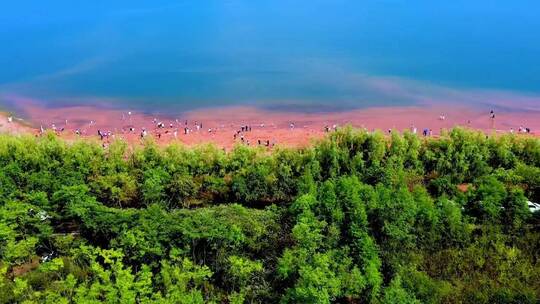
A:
x: 492, y: 117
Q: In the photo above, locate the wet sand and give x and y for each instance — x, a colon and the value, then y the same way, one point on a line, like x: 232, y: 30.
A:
x: 281, y: 128
x: 16, y: 126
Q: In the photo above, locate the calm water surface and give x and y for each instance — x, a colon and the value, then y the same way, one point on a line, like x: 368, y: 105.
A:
x: 301, y: 55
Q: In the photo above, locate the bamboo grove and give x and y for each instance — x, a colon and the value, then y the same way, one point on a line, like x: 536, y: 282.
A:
x: 356, y: 217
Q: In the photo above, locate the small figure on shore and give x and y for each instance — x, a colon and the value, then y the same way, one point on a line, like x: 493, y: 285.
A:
x: 492, y: 117
x: 10, y: 119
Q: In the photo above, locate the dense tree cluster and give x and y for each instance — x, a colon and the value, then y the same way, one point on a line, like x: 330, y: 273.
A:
x: 357, y: 217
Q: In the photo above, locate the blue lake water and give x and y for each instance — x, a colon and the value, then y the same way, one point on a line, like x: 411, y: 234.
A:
x: 302, y: 55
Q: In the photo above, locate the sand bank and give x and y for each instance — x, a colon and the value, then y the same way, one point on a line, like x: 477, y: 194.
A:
x: 13, y: 125
x: 219, y: 125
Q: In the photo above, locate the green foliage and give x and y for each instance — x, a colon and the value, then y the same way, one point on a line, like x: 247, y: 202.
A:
x: 355, y: 218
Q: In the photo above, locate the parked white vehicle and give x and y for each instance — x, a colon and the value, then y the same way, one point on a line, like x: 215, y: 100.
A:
x: 534, y: 207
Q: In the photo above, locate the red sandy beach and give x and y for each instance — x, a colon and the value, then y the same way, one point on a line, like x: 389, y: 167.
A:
x: 282, y: 128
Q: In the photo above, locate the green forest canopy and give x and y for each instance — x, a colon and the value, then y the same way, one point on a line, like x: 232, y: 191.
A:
x: 357, y: 217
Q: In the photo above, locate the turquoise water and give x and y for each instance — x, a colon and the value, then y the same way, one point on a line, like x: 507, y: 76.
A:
x: 300, y: 55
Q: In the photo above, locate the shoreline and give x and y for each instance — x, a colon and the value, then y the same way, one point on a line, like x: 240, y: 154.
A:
x: 221, y: 125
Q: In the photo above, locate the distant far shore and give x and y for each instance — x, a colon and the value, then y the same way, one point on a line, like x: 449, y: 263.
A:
x: 228, y: 126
